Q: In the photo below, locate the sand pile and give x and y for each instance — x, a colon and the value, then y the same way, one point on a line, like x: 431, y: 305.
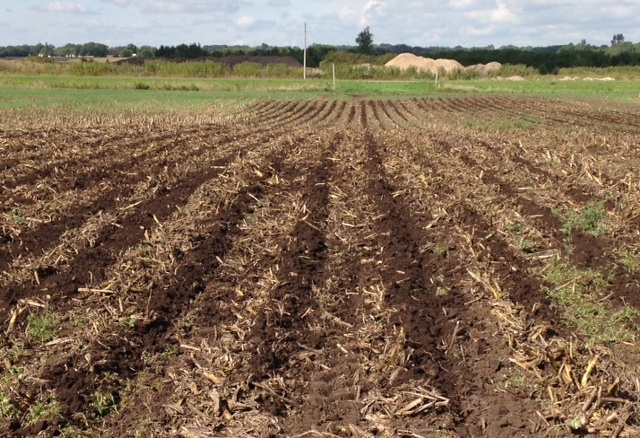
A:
x: 405, y: 61
x: 485, y: 69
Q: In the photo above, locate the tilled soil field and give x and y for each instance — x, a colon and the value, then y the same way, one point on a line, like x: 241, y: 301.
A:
x: 459, y: 267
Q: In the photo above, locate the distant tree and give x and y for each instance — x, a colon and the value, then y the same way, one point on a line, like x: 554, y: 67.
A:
x: 47, y: 50
x: 365, y: 42
x: 15, y: 51
x: 166, y: 52
x: 36, y: 50
x: 72, y: 49
x: 146, y: 52
x: 191, y: 51
x: 129, y: 51
x: 617, y: 39
x: 94, y: 49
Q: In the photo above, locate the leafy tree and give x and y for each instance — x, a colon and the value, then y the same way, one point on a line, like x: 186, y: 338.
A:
x: 129, y: 51
x: 617, y: 39
x: 36, y: 50
x: 47, y: 50
x: 365, y: 42
x: 146, y: 52
x: 94, y: 49
x: 67, y: 50
x: 15, y: 51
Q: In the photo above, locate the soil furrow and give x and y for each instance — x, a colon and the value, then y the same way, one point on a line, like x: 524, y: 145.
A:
x: 40, y: 237
x: 283, y: 324
x: 332, y: 112
x: 90, y: 263
x: 407, y: 284
x: 523, y: 287
x: 66, y: 166
x: 587, y: 251
x: 352, y: 114
x: 362, y: 107
x: 167, y: 303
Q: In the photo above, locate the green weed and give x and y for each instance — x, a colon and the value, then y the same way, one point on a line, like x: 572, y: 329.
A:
x: 170, y: 351
x: 630, y: 260
x: 515, y: 382
x: 592, y: 221
x: 580, y: 291
x: 441, y: 289
x: 601, y: 324
x: 142, y: 429
x: 7, y: 411
x: 47, y: 410
x: 129, y: 321
x: 41, y: 327
x: 19, y: 218
x: 442, y: 250
x: 515, y: 227
x: 104, y: 403
x: 74, y: 432
x: 526, y: 246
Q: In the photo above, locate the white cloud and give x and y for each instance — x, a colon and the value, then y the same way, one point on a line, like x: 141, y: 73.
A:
x: 619, y: 11
x: 246, y: 22
x: 468, y: 23
x: 65, y: 7
x: 161, y: 6
x: 189, y: 6
x: 371, y: 9
x: 347, y: 14
x: 461, y: 4
x: 502, y: 14
x: 479, y: 31
x: 279, y: 3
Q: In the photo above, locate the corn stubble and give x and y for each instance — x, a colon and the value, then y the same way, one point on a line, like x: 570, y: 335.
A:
x: 322, y: 268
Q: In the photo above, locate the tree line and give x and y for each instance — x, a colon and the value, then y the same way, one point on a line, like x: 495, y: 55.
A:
x: 545, y: 59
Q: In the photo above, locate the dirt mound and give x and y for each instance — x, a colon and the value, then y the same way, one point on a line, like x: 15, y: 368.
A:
x: 485, y: 69
x: 406, y: 61
x: 136, y: 60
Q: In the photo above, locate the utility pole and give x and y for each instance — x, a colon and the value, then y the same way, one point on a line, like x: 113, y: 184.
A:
x: 304, y: 74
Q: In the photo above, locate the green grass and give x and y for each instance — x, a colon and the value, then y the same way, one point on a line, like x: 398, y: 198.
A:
x: 550, y: 86
x: 113, y: 93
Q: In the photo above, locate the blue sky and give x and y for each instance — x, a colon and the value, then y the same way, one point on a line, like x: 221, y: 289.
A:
x: 468, y: 23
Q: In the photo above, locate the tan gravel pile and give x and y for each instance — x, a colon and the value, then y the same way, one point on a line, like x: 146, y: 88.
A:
x: 485, y: 69
x: 405, y: 61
